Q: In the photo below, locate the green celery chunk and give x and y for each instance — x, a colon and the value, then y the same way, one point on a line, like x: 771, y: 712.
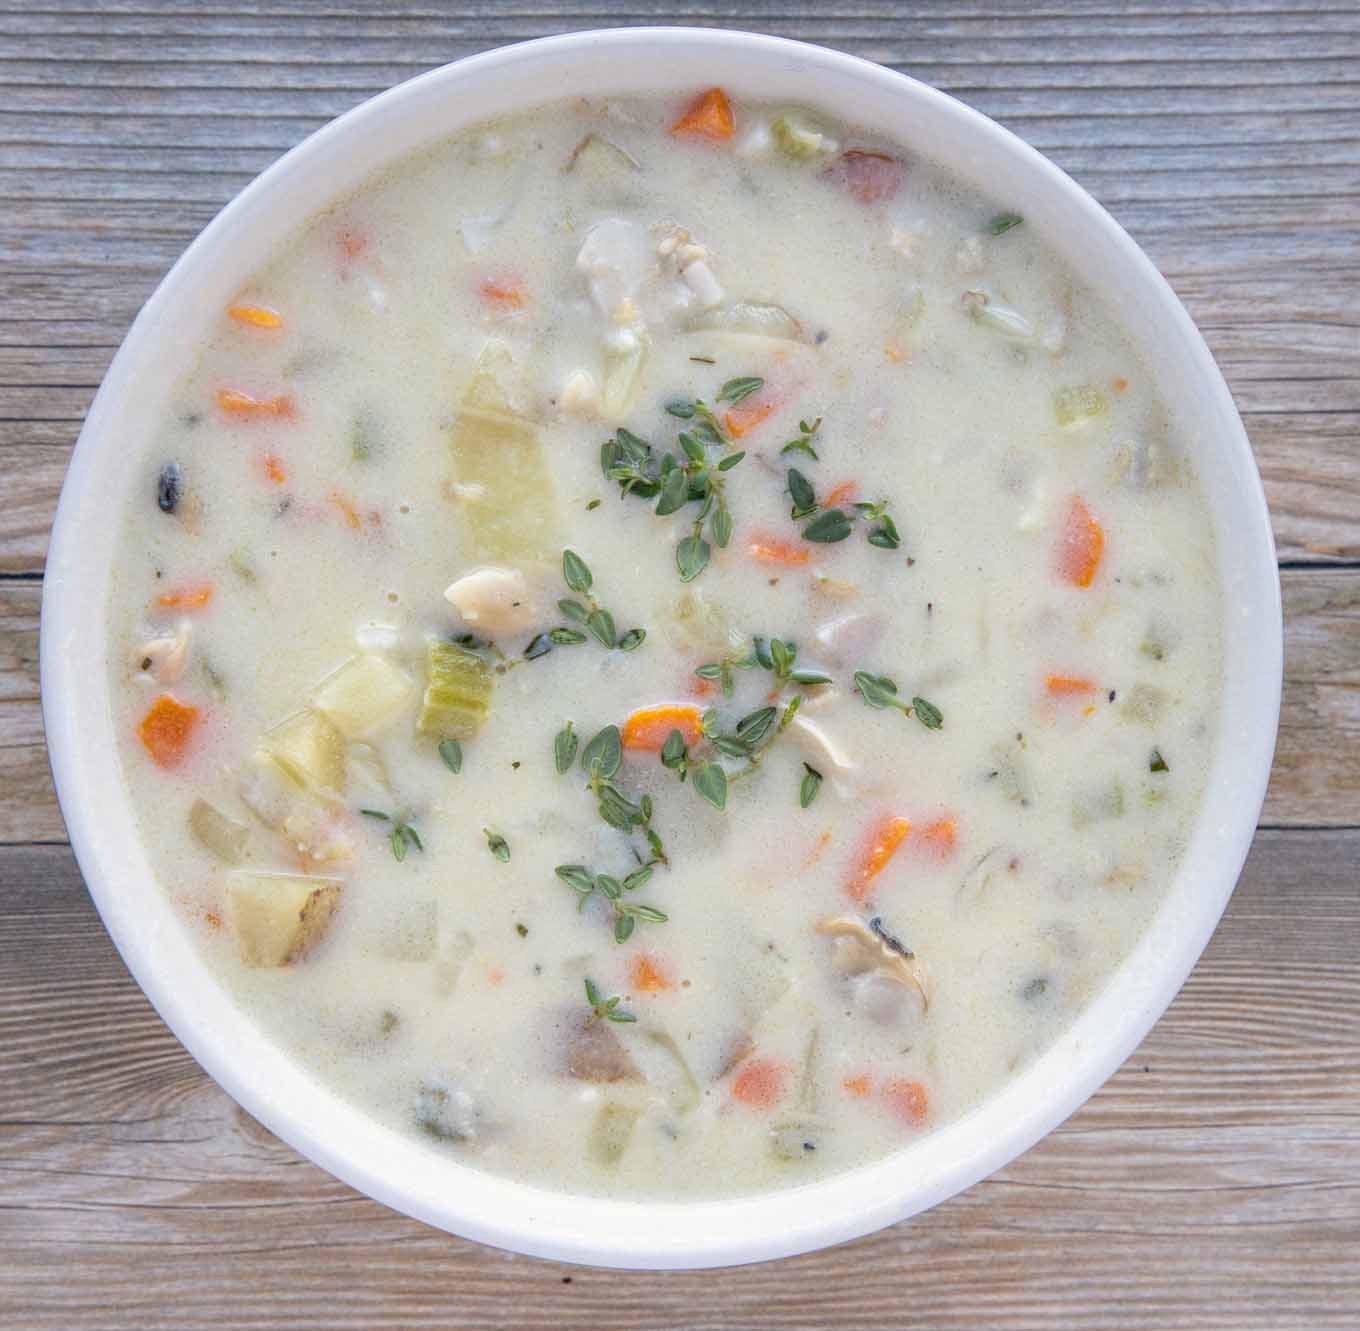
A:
x: 457, y: 692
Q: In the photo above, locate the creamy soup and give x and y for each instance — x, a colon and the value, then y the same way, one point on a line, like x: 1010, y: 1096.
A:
x: 666, y: 647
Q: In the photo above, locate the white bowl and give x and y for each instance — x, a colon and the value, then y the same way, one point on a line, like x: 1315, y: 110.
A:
x: 397, y: 1169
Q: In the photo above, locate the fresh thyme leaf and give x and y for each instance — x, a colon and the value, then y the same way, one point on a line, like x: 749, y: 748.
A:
x: 810, y: 785
x: 402, y: 835
x: 636, y: 879
x: 1156, y: 763
x: 722, y: 527
x: 601, y: 624
x: 713, y: 671
x: 375, y: 813
x: 602, y: 1008
x: 803, y: 445
x: 878, y: 691
x: 731, y: 746
x: 804, y: 497
x: 737, y: 390
x: 753, y: 727
x: 610, y: 886
x: 575, y: 573
x: 927, y: 713
x: 577, y: 877
x: 694, y: 450
x: 884, y: 535
x: 674, y: 751
x: 623, y: 931
x: 565, y: 637
x: 497, y: 845
x: 711, y: 782
x: 603, y: 756
x: 681, y: 409
x: 593, y: 505
x: 1004, y: 222
x: 782, y: 656
x: 691, y: 557
x: 704, y: 360
x: 828, y: 527
x: 452, y: 753
x: 565, y: 744
x: 539, y: 645
x: 809, y: 677
x: 631, y: 640
x: 731, y: 460
x: 573, y: 610
x: 648, y: 913
x: 674, y: 493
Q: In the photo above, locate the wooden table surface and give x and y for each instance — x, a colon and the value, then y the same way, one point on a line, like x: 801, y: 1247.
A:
x: 1215, y: 1182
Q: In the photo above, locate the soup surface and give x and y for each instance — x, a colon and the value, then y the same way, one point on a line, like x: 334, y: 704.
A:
x: 666, y: 647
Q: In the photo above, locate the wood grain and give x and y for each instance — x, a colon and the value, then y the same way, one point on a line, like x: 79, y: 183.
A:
x: 130, y: 1182
x: 1211, y: 1184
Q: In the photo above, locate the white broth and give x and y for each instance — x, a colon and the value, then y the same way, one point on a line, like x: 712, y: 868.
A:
x: 926, y: 591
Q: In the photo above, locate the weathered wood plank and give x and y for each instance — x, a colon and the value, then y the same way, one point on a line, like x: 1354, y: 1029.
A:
x: 1174, y: 1197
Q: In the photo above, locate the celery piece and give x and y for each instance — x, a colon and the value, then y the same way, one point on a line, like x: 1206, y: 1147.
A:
x: 225, y: 837
x: 611, y: 1132
x: 797, y: 139
x: 457, y: 692
x: 277, y: 916
x: 753, y: 320
x: 1078, y: 403
x: 363, y: 695
x: 309, y: 749
x: 499, y: 471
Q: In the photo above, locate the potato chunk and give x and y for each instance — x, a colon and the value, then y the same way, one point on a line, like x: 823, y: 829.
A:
x: 364, y: 695
x: 278, y: 916
x: 309, y: 749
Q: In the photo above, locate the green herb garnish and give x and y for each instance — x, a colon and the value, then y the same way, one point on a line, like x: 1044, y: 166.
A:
x: 497, y: 845
x: 451, y: 751
x: 738, y: 390
x: 604, y: 1009
x: 803, y: 444
x: 402, y: 836
x: 809, y: 786
x: 1004, y: 222
x: 595, y: 620
x: 878, y: 691
x: 565, y: 744
x: 586, y: 883
x: 1156, y: 763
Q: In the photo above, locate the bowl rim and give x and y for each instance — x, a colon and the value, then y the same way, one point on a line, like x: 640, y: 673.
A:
x: 407, y: 1175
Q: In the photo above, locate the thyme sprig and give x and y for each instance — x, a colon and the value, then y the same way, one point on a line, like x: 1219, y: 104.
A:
x: 590, y: 615
x: 402, y: 836
x: 692, y: 475
x: 878, y: 692
x: 602, y: 1008
x: 777, y: 655
x: 586, y: 883
x: 803, y: 444
x: 834, y: 524
x: 744, y: 742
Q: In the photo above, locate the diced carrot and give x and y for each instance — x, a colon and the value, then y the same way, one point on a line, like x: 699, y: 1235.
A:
x: 347, y: 509
x: 844, y: 493
x: 192, y: 596
x: 769, y: 549
x: 708, y: 116
x: 760, y: 1083
x: 744, y: 416
x: 868, y: 177
x: 166, y: 729
x: 648, y: 727
x: 257, y: 316
x: 647, y: 976
x: 235, y: 403
x: 894, y: 351
x: 909, y: 1100
x: 858, y: 1086
x: 1120, y: 385
x: 504, y: 295
x: 352, y: 245
x: 941, y: 837
x: 1069, y: 686
x: 274, y: 468
x: 700, y: 687
x: 881, y: 844
x: 1080, y: 546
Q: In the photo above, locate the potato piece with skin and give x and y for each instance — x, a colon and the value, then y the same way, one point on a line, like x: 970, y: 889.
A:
x: 364, y: 695
x: 278, y: 916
